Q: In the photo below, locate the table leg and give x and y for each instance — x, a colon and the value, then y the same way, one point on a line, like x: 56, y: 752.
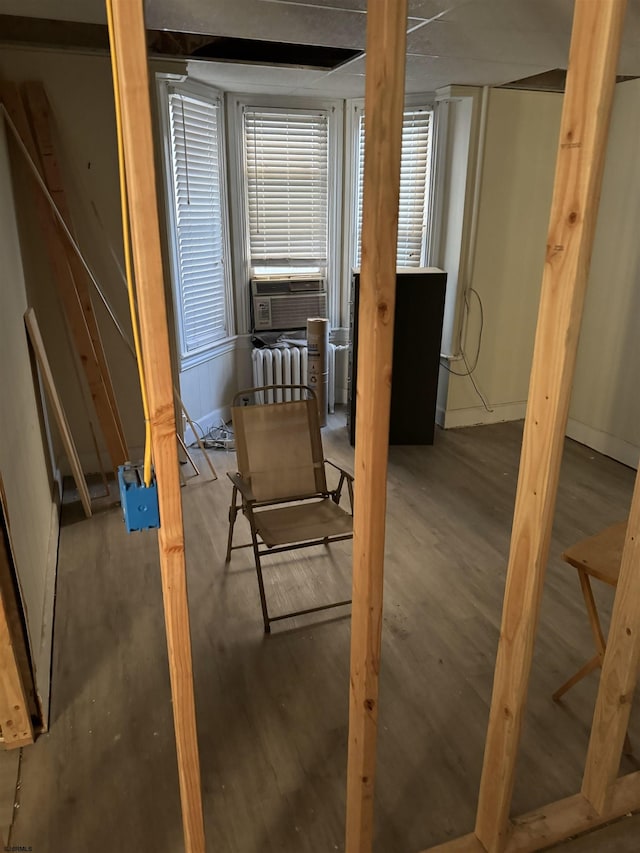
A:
x: 594, y: 663
x: 592, y: 612
x: 598, y: 637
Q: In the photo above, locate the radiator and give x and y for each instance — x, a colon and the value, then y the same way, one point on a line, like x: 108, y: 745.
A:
x: 289, y: 367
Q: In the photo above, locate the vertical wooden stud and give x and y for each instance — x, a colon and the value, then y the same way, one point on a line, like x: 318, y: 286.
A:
x: 15, y: 719
x: 129, y: 47
x: 384, y: 100
x: 619, y: 673
x: 585, y: 120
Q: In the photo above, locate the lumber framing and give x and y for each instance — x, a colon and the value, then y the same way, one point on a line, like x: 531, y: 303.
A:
x: 556, y: 822
x: 619, y: 673
x: 15, y: 717
x: 595, y: 42
x: 65, y: 284
x: 384, y: 99
x: 132, y: 83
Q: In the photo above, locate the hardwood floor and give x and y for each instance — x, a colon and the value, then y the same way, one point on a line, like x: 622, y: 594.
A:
x: 272, y: 712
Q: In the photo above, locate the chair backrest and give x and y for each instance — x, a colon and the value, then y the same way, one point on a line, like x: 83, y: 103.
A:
x: 279, y: 448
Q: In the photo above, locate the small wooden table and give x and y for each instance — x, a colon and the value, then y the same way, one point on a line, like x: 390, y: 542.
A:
x: 597, y: 556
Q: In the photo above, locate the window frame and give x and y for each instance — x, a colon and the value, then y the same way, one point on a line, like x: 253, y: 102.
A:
x: 236, y: 103
x: 354, y: 110
x: 168, y: 84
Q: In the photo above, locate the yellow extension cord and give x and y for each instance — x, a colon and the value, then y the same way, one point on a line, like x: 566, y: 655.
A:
x: 127, y: 252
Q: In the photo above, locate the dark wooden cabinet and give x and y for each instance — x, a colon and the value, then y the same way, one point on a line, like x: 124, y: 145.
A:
x: 416, y: 355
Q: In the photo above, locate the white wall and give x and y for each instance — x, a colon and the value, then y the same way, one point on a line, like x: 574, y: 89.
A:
x: 207, y: 389
x: 516, y: 187
x: 27, y: 483
x: 515, y: 197
x: 605, y: 407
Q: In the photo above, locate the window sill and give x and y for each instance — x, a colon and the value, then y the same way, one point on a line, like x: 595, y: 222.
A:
x: 221, y: 347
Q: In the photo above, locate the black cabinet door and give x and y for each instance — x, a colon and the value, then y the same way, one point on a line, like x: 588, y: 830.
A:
x: 416, y: 355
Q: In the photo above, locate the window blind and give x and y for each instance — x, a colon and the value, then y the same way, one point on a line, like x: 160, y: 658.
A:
x: 198, y: 217
x: 415, y: 177
x: 286, y: 160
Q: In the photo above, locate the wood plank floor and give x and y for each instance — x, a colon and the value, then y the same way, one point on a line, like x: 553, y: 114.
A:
x: 272, y: 712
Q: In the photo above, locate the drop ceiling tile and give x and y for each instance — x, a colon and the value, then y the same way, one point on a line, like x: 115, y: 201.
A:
x: 429, y: 9
x: 339, y: 85
x: 420, y: 9
x: 243, y: 78
x: 530, y: 15
x: 428, y: 73
x: 331, y: 5
x: 443, y: 39
x: 87, y: 11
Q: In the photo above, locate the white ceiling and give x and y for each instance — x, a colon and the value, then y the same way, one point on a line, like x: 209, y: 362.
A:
x: 475, y: 42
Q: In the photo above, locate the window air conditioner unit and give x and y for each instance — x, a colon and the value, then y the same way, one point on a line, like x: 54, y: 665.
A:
x: 285, y: 304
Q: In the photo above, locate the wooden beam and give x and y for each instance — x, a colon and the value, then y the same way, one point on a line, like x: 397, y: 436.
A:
x: 619, y: 673
x: 583, y: 132
x: 39, y: 113
x: 552, y: 824
x: 10, y: 589
x: 65, y: 285
x: 185, y: 450
x: 15, y: 717
x: 384, y: 99
x: 129, y: 48
x: 58, y: 412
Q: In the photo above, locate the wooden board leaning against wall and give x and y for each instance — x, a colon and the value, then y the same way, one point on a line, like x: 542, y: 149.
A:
x: 18, y: 708
x: 68, y: 273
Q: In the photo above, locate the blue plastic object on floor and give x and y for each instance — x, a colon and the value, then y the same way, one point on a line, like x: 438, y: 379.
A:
x: 139, y: 502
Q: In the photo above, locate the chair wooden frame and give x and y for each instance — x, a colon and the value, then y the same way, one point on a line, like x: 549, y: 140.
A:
x: 252, y: 507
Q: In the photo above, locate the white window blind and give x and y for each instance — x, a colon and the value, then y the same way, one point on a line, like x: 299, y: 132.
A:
x: 287, y: 165
x: 198, y: 221
x: 415, y: 178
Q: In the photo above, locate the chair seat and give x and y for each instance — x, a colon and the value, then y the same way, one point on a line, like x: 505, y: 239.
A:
x: 302, y: 522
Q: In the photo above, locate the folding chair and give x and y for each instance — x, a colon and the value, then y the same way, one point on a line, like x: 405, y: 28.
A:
x: 282, y: 481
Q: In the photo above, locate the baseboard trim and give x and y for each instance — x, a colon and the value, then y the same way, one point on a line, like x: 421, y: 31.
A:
x: 475, y: 415
x: 617, y: 448
x: 207, y: 421
x: 603, y: 442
